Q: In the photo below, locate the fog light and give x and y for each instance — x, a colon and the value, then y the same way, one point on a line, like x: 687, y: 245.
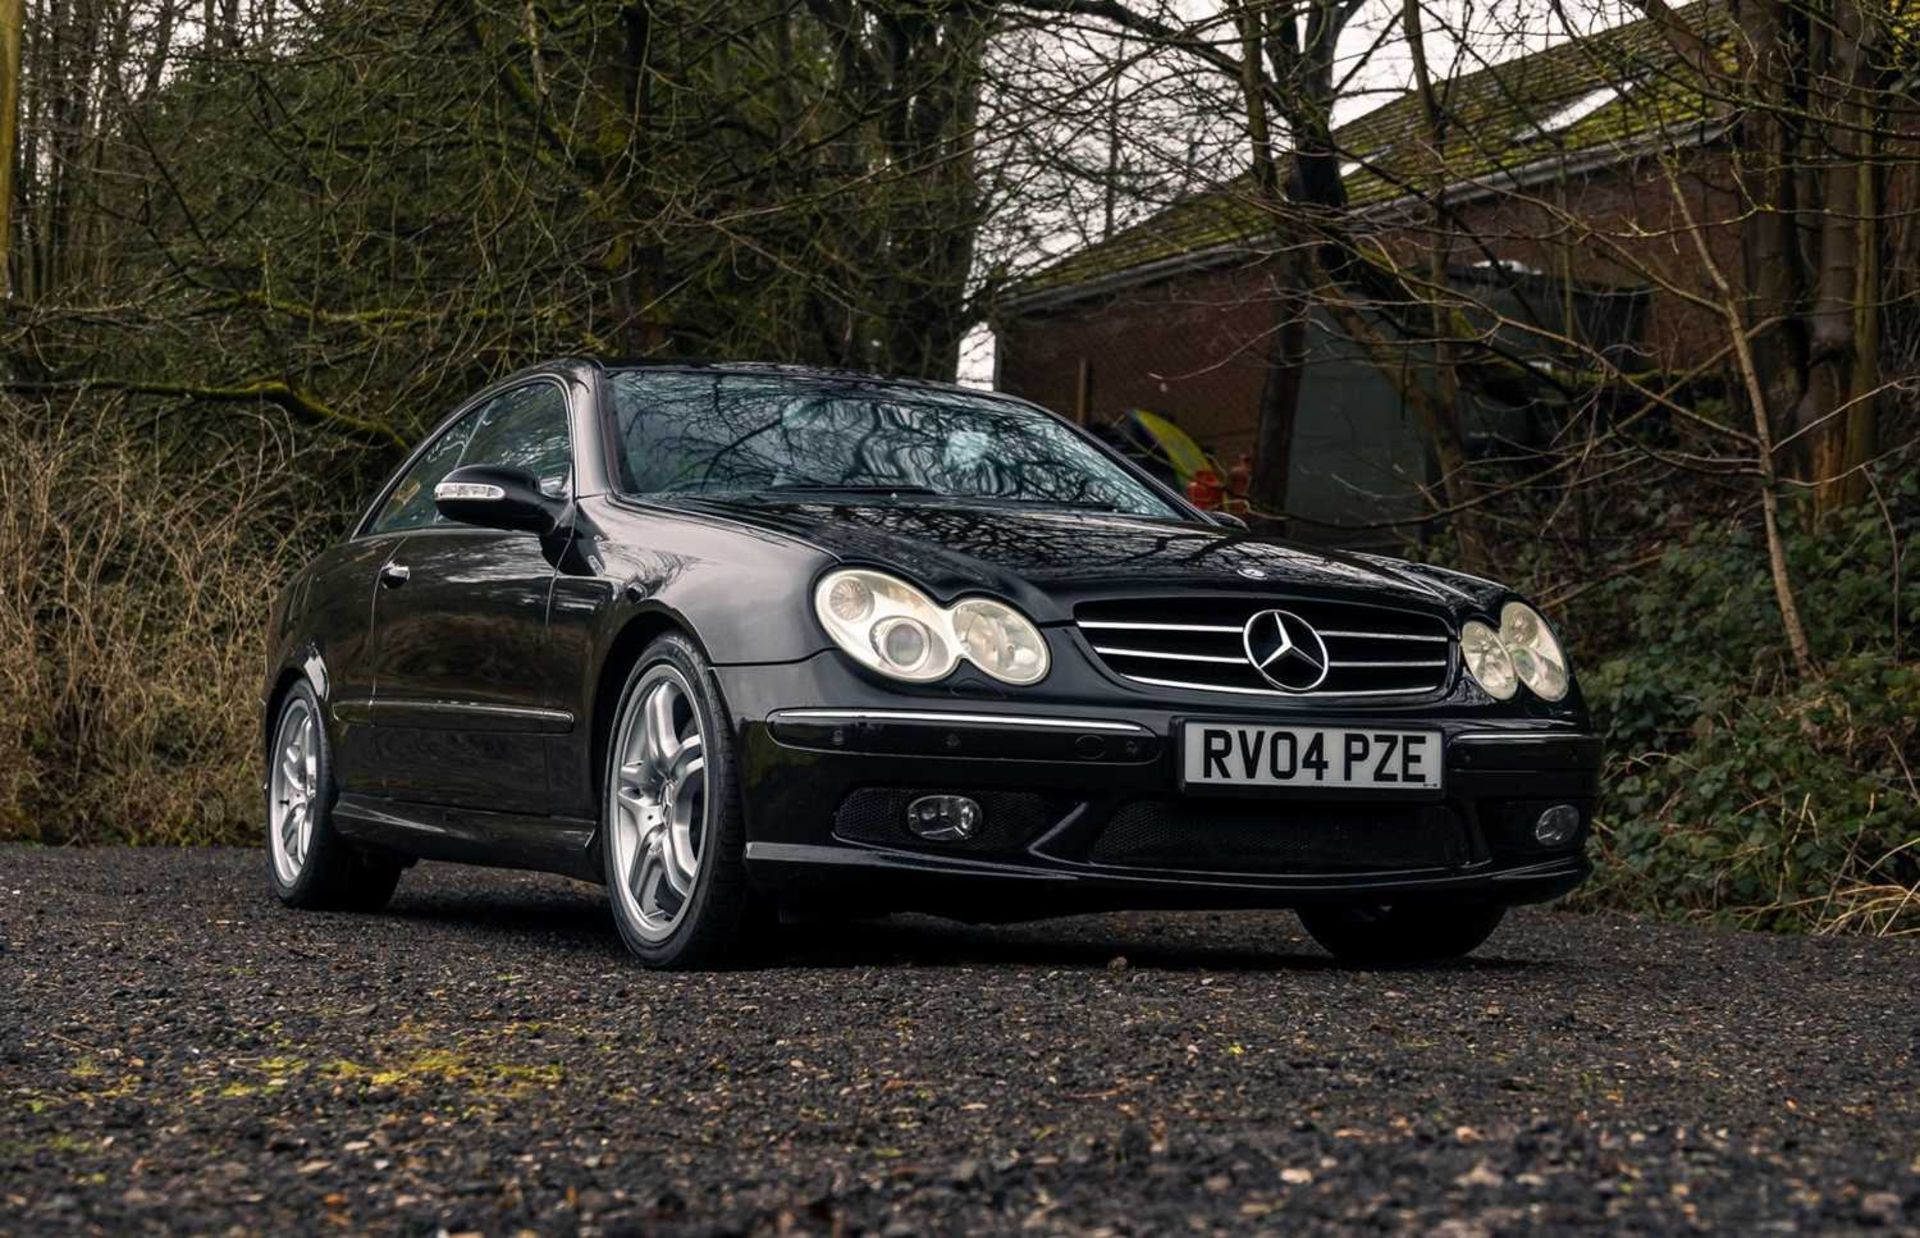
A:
x: 943, y: 818
x: 1557, y: 825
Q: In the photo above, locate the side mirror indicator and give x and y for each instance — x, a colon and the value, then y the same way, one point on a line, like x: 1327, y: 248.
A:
x: 498, y: 496
x: 472, y: 491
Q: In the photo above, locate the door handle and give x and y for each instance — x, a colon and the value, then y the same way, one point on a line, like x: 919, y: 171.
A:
x: 393, y: 575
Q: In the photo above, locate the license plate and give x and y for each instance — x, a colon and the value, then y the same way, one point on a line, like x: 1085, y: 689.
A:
x: 1219, y: 754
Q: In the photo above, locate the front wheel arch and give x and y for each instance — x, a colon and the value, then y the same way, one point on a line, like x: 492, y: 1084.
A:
x: 722, y: 914
x: 641, y: 629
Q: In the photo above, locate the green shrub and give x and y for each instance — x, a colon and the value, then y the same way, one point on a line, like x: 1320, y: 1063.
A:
x: 1735, y: 791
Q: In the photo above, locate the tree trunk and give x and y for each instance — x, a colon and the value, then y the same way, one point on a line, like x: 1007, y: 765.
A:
x: 1764, y: 154
x: 13, y: 15
x: 1280, y: 393
x: 1443, y: 409
x: 1834, y: 390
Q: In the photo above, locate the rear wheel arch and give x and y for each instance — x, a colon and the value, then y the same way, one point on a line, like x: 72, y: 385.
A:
x: 290, y: 675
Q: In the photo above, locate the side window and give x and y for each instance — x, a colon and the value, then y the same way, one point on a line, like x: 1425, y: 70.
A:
x: 410, y: 506
x: 527, y: 428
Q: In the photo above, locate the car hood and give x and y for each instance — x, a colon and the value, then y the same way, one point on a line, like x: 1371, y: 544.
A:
x: 1064, y: 557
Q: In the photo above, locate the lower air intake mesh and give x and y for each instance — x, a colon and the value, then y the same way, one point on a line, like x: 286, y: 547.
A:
x: 1269, y: 837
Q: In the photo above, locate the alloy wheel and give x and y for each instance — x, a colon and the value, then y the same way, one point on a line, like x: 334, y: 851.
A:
x: 658, y: 802
x: 295, y: 790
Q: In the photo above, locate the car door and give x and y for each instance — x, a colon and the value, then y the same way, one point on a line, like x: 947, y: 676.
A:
x: 339, y: 660
x: 345, y: 584
x: 463, y: 698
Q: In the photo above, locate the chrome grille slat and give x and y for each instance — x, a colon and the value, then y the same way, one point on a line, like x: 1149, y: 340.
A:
x: 1207, y: 687
x: 1376, y: 666
x: 1162, y: 627
x: 1174, y: 657
x: 1196, y: 644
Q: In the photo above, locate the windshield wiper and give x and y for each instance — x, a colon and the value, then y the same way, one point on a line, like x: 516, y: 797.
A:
x: 1049, y: 505
x: 846, y: 487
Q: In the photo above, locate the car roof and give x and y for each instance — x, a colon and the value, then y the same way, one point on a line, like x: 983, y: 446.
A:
x: 577, y: 365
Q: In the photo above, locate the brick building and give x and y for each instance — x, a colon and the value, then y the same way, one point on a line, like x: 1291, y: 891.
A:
x: 1575, y: 182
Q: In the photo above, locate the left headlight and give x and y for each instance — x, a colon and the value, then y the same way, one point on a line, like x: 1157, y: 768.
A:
x: 889, y: 626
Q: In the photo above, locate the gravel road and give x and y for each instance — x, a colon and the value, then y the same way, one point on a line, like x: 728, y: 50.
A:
x: 179, y: 1052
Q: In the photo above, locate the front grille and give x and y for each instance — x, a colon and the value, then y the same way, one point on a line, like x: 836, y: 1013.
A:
x: 1196, y: 643
x: 1267, y: 836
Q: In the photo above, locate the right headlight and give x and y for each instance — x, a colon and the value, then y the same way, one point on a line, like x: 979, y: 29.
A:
x: 1523, y: 651
x: 1487, y: 660
x: 1535, y: 653
x: 889, y: 626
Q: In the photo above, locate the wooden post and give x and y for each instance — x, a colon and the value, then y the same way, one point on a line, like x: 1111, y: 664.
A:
x: 1082, y: 385
x: 13, y: 16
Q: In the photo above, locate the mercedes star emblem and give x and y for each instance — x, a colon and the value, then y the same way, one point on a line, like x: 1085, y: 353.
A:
x: 1286, y: 650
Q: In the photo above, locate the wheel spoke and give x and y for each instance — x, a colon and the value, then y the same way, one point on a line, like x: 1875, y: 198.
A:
x: 674, y: 848
x: 297, y: 848
x: 636, y: 874
x: 690, y: 758
x: 658, y: 894
x: 310, y: 755
x: 663, y: 738
x: 683, y: 853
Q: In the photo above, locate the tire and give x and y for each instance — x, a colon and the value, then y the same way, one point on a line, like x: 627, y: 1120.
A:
x: 672, y: 832
x: 309, y: 864
x: 1402, y: 933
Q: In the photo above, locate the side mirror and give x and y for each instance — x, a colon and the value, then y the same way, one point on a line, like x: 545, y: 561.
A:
x: 495, y: 496
x: 1230, y: 520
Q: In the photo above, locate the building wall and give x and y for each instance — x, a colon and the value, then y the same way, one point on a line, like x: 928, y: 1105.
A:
x: 1192, y: 346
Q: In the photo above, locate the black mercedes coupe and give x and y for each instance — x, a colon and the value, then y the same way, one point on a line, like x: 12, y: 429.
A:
x: 752, y: 644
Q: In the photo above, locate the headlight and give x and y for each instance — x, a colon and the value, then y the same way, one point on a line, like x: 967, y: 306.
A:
x: 889, y: 626
x: 886, y: 624
x: 1488, y: 660
x: 1535, y: 654
x: 1000, y: 640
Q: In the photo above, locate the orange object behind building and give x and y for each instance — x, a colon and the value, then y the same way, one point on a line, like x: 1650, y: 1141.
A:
x: 1205, y: 491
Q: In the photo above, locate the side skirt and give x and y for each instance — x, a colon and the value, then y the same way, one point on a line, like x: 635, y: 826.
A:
x: 561, y: 845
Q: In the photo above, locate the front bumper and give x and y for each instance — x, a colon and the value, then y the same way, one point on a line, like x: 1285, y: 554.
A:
x: 1083, y: 809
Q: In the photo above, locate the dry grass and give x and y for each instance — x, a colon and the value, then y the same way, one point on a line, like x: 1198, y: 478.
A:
x: 135, y: 574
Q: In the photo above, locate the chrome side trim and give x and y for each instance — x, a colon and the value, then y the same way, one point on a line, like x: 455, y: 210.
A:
x: 1292, y: 696
x: 1521, y: 737
x: 467, y: 715
x: 978, y: 719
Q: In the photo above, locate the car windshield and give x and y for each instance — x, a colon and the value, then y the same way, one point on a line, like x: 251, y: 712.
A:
x: 733, y: 435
